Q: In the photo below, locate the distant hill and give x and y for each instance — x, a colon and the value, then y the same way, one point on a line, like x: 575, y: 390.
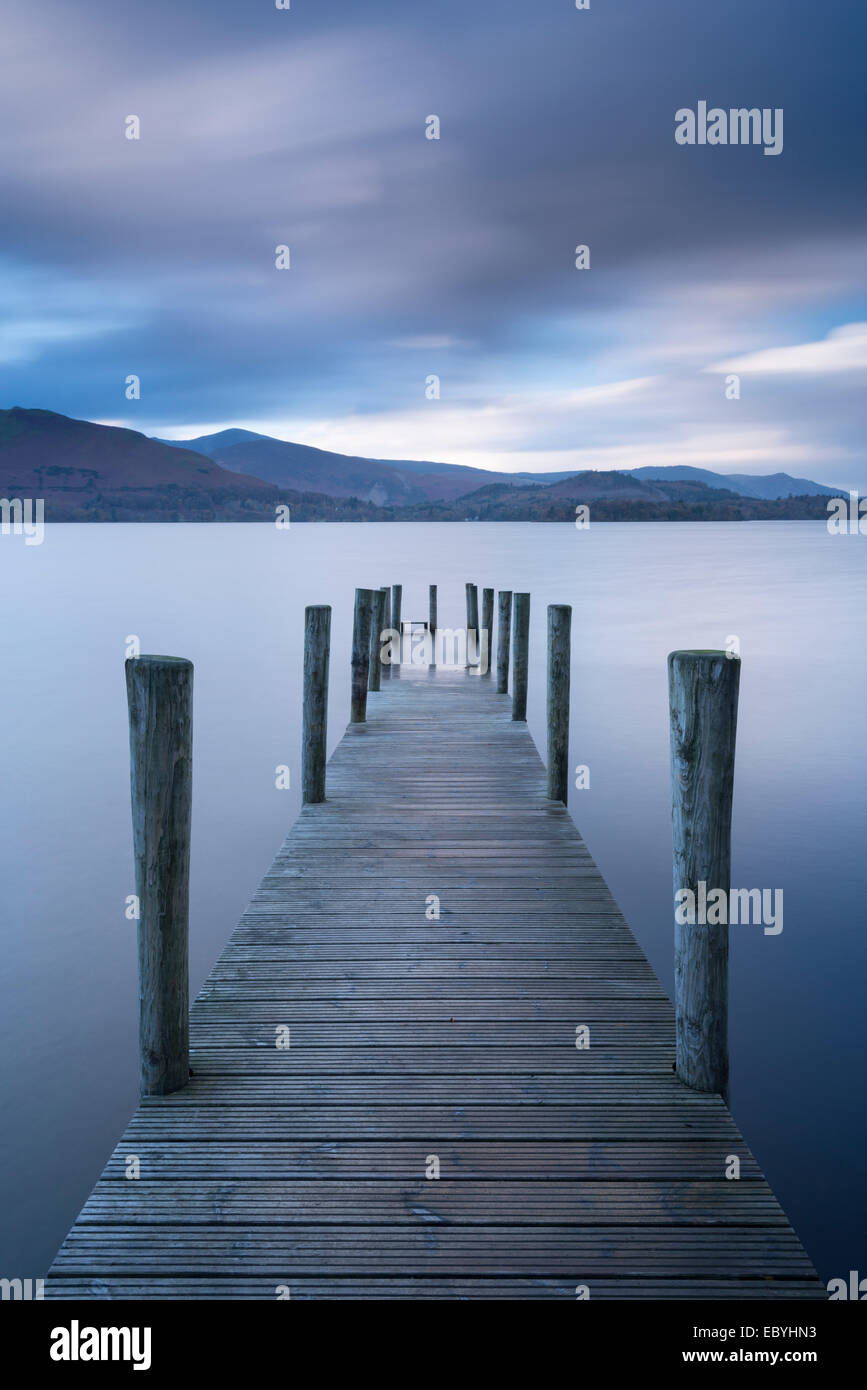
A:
x: 618, y: 496
x: 89, y: 472
x: 625, y: 485
x: 767, y: 485
x: 383, y: 482
x: 404, y: 482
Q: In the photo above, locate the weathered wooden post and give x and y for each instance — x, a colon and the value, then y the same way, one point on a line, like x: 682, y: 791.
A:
x: 396, y: 602
x: 160, y: 697
x: 361, y: 625
x: 377, y: 624
x: 317, y: 650
x: 504, y: 626
x: 472, y: 623
x: 488, y: 625
x: 432, y: 621
x: 703, y: 699
x: 559, y: 666
x: 384, y: 667
x: 520, y: 655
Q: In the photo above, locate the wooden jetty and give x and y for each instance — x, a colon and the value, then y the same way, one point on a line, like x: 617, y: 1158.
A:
x: 392, y: 1093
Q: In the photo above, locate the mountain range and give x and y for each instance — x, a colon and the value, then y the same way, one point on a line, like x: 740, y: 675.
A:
x: 404, y: 482
x: 91, y: 472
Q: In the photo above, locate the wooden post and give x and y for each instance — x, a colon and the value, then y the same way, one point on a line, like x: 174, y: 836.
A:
x: 396, y: 601
x: 160, y: 697
x: 385, y: 666
x: 472, y: 622
x: 317, y: 649
x: 504, y: 625
x: 559, y: 666
x: 520, y: 655
x: 377, y: 623
x: 703, y: 699
x: 432, y: 621
x: 361, y: 654
x: 488, y: 624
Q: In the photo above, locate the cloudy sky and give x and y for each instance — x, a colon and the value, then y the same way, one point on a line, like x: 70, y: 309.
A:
x: 412, y: 257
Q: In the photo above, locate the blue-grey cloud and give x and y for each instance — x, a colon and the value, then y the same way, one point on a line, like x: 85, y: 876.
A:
x: 409, y: 256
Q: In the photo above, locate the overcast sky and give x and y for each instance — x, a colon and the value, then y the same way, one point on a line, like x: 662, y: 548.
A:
x: 412, y: 257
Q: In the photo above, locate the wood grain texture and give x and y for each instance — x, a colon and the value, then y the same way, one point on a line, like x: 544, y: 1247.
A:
x: 360, y: 660
x: 559, y: 670
x: 703, y: 704
x: 378, y: 623
x: 504, y: 635
x: 233, y: 1287
x: 472, y: 623
x: 520, y: 655
x: 160, y: 699
x: 314, y: 731
x: 396, y: 619
x: 488, y: 627
x: 432, y: 621
x: 416, y: 1037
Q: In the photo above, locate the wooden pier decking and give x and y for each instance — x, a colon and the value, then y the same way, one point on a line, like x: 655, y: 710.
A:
x: 414, y: 1040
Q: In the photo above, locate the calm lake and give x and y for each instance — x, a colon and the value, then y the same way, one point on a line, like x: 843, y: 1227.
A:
x: 232, y: 598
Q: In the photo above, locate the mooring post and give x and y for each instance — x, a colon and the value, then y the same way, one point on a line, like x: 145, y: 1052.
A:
x: 377, y: 625
x: 472, y: 623
x: 362, y: 622
x: 559, y: 665
x: 520, y: 655
x: 317, y: 650
x: 488, y: 625
x: 160, y: 697
x: 504, y: 632
x: 703, y: 700
x: 396, y: 602
x: 432, y: 621
x: 385, y: 667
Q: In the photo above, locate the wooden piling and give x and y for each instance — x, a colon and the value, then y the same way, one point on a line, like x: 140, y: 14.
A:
x: 317, y: 649
x: 520, y: 655
x: 160, y: 697
x: 377, y: 627
x: 472, y: 623
x: 396, y: 602
x: 361, y: 626
x: 432, y: 621
x: 703, y: 699
x: 385, y: 621
x: 488, y: 625
x: 559, y: 667
x: 504, y: 632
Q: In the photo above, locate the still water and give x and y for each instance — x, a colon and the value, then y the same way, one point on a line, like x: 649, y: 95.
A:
x: 232, y: 598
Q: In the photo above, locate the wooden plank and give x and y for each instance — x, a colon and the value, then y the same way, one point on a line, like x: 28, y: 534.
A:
x: 234, y: 1288
x: 451, y: 1010
x: 444, y: 1202
x: 687, y: 1160
x: 447, y: 952
x: 448, y: 1034
x: 647, y: 1251
x: 453, y: 991
x: 294, y: 1086
x: 363, y: 1060
x: 403, y: 968
x: 428, y: 1124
